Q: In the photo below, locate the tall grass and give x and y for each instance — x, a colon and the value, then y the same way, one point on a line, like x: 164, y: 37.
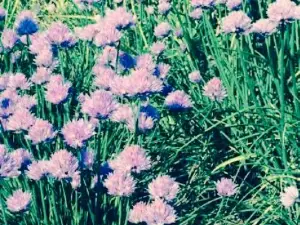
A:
x: 252, y: 136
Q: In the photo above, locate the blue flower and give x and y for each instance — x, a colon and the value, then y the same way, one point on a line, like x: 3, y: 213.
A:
x: 127, y: 61
x: 5, y: 103
x: 27, y: 26
x: 150, y: 111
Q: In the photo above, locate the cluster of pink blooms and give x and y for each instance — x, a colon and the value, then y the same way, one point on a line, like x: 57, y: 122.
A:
x: 163, y: 189
x: 132, y: 159
x: 19, y: 201
x: 279, y: 12
x: 290, y: 196
x: 107, y: 31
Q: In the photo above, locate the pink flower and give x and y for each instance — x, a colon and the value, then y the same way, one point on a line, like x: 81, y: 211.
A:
x: 137, y: 213
x: 162, y: 30
x: 57, y: 90
x: 289, y: 196
x: 236, y: 22
x: 119, y: 184
x: 158, y: 47
x: 215, y: 90
x: 195, y: 77
x: 119, y: 18
x: 233, y: 4
x: 77, y: 132
x: 163, y: 70
x: 39, y: 43
x: 22, y: 158
x: 132, y: 158
x: 21, y: 119
x: 108, y: 35
x: 226, y: 187
x: 18, y: 80
x: 37, y: 170
x: 9, y: 39
x: 8, y: 166
x: 108, y: 56
x: 86, y: 33
x: 202, y: 3
x: 63, y: 165
x: 281, y: 11
x: 163, y: 187
x: 145, y: 123
x: 59, y: 34
x: 41, y: 131
x: 99, y: 104
x: 18, y: 201
x: 164, y: 7
x: 158, y: 212
x: 196, y: 14
x: 76, y: 180
x: 146, y: 62
x: 264, y: 27
x: 139, y: 82
x: 104, y: 76
x: 44, y: 58
x: 124, y: 114
x: 41, y: 75
x: 178, y: 100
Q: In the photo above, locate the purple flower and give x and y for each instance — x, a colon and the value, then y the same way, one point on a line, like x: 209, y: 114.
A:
x: 41, y: 131
x: 8, y: 166
x: 162, y: 30
x: 163, y: 187
x: 26, y: 23
x: 19, y: 201
x: 9, y: 39
x: 162, y: 70
x: 226, y: 187
x: 178, y: 100
x: 77, y: 132
x: 63, y: 165
x: 215, y: 90
x: 38, y: 169
x: 236, y: 22
x: 119, y: 184
x: 195, y: 77
x: 158, y: 212
x: 132, y: 158
x: 57, y: 90
x: 150, y: 10
x: 108, y: 56
x: 99, y: 104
